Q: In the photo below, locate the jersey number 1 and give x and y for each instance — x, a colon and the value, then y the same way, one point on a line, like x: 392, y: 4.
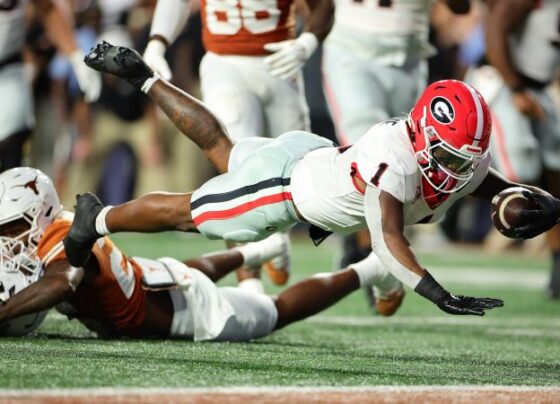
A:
x: 377, y: 177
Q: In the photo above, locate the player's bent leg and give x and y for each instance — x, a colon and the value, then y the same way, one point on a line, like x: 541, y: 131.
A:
x: 188, y: 114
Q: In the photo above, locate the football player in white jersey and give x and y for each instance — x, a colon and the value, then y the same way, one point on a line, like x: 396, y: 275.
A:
x: 16, y: 104
x: 118, y: 295
x: 377, y: 49
x: 401, y: 172
x: 522, y: 40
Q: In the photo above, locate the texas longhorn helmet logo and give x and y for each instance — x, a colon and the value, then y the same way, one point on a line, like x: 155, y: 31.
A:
x: 442, y: 110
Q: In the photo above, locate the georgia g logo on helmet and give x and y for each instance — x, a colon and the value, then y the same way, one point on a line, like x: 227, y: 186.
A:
x: 442, y: 110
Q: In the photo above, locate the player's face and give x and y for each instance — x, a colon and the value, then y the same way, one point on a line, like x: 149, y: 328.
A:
x: 16, y: 229
x: 457, y: 164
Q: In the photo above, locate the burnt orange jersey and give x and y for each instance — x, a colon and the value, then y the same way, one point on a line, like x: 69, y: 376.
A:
x: 242, y: 27
x: 114, y: 300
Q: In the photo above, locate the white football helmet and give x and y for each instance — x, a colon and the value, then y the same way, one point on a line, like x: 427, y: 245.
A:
x: 25, y: 194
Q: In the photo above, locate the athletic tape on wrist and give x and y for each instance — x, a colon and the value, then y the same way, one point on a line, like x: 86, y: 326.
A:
x: 149, y: 83
x: 100, y: 222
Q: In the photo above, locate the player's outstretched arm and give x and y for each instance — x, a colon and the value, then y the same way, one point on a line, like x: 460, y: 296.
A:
x: 57, y: 284
x: 535, y: 221
x: 188, y: 114
x: 384, y: 214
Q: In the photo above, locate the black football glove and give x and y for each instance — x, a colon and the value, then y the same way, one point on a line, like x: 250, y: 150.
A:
x: 458, y: 305
x: 120, y: 61
x: 544, y: 215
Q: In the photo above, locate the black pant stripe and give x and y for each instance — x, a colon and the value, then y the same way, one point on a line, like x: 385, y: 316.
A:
x: 249, y: 189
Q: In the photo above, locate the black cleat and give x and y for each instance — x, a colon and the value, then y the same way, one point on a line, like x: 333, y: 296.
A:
x: 120, y: 61
x: 82, y: 235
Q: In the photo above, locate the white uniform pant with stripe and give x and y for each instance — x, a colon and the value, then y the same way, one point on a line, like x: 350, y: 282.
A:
x: 253, y: 199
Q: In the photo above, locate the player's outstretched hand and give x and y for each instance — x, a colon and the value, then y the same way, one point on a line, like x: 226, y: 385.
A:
x: 544, y: 215
x: 120, y: 61
x: 462, y: 305
x: 429, y: 288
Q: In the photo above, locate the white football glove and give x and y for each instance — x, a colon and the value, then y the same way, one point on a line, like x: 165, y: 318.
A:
x: 290, y: 56
x: 88, y: 79
x: 154, y: 56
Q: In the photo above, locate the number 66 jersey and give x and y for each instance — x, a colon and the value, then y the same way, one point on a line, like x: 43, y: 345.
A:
x: 242, y: 27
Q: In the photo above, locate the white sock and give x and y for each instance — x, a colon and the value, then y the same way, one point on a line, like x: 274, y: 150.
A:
x: 253, y: 285
x: 368, y: 270
x: 100, y: 223
x: 254, y: 254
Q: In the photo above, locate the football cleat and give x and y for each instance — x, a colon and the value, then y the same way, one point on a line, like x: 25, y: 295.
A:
x: 278, y: 268
x: 120, y: 61
x: 389, y: 304
x: 82, y: 235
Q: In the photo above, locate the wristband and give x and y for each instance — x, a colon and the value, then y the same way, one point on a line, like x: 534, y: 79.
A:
x: 429, y: 288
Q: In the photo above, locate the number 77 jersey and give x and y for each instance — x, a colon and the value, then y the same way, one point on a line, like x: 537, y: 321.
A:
x: 242, y: 27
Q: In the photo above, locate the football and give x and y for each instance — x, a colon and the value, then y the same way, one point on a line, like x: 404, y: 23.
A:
x: 506, y: 207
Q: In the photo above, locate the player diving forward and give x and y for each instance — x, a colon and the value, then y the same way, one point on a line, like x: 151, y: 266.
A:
x: 402, y: 172
x: 115, y: 295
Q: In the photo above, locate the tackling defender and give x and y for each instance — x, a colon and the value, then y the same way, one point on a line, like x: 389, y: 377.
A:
x: 402, y: 172
x: 116, y: 295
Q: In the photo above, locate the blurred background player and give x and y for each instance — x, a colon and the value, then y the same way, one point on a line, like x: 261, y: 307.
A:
x: 115, y: 295
x: 251, y: 74
x: 522, y: 47
x: 16, y: 104
x: 375, y: 68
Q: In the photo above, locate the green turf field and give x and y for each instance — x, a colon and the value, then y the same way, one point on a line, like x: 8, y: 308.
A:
x: 344, y: 346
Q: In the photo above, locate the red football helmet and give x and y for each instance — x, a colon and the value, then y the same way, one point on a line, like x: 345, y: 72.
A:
x: 451, y: 128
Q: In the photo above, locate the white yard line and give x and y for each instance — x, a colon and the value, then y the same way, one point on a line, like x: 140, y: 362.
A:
x: 511, y: 322
x: 109, y: 391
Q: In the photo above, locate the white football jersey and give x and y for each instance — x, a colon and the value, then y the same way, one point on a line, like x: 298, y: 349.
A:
x: 324, y: 192
x: 533, y: 44
x: 12, y: 27
x: 391, y: 31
